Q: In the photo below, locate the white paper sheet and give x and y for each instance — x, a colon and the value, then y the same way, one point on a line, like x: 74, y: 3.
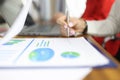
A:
x: 53, y: 52
x: 44, y: 74
x: 48, y: 59
x: 18, y: 24
x: 12, y: 49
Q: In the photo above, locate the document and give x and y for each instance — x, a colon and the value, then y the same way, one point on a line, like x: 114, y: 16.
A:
x: 50, y: 53
x: 12, y: 49
x: 48, y: 59
x: 44, y: 74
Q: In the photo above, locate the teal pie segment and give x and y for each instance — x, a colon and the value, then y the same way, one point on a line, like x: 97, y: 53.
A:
x: 70, y: 54
x: 41, y: 54
x: 12, y: 42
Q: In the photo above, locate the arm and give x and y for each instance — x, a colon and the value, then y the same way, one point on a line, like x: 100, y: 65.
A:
x: 109, y: 26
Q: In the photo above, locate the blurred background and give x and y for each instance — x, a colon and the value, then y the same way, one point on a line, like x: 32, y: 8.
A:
x: 39, y: 21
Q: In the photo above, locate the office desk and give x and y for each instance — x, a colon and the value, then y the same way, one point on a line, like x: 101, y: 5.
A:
x: 105, y: 73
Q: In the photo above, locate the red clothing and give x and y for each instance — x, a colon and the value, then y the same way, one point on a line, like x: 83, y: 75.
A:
x: 113, y: 46
x: 99, y: 10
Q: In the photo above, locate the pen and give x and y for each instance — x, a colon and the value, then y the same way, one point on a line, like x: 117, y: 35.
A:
x: 68, y: 20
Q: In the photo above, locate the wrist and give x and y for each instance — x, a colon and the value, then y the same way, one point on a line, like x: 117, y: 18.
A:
x: 86, y: 27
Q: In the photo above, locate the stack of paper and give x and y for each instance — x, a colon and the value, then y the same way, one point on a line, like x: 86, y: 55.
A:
x: 48, y: 59
x: 50, y: 52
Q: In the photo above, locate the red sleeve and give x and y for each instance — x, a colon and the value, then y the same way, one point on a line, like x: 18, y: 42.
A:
x: 97, y: 9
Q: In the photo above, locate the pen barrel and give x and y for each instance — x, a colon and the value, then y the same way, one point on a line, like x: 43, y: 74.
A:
x: 68, y: 20
x: 67, y: 17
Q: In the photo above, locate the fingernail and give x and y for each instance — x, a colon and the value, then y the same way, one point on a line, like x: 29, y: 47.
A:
x: 65, y: 26
x: 70, y: 24
x: 72, y: 32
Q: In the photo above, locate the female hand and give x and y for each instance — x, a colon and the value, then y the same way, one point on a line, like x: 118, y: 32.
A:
x: 76, y: 26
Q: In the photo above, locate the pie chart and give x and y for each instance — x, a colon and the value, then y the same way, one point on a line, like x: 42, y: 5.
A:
x: 70, y: 54
x: 41, y: 54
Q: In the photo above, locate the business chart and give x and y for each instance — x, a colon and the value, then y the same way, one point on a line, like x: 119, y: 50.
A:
x: 10, y: 50
x: 55, y: 52
x: 25, y: 58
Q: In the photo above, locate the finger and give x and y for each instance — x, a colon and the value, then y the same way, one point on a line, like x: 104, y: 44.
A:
x: 63, y: 31
x: 72, y: 32
x: 73, y: 22
x: 62, y: 21
x: 80, y: 26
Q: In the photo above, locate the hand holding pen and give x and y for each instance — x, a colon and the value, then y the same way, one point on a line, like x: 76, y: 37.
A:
x: 71, y: 26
